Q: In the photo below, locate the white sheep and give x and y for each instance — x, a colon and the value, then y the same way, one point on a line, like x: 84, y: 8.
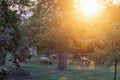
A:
x: 45, y: 60
x: 85, y: 59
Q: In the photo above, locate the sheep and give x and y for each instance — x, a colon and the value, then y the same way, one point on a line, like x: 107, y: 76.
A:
x: 85, y: 59
x: 54, y: 56
x: 45, y: 60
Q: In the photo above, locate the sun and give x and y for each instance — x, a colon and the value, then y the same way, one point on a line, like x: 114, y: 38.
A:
x: 89, y: 7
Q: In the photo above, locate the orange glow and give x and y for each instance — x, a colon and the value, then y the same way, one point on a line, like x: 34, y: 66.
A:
x: 87, y: 7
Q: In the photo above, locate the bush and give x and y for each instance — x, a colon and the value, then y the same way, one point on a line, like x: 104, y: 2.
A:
x: 3, y: 73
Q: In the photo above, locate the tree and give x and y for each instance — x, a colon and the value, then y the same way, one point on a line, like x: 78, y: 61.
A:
x: 115, y: 48
x: 56, y: 21
x: 112, y: 34
x: 10, y: 24
x: 51, y: 20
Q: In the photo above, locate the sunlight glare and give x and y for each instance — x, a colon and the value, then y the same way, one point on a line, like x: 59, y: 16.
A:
x: 89, y: 7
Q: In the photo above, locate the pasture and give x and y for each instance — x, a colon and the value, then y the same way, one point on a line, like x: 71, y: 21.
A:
x: 74, y: 71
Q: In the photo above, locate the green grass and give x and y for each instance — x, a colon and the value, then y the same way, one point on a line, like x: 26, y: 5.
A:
x: 50, y: 72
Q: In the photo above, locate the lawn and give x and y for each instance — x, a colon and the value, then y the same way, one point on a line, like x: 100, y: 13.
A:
x: 73, y: 72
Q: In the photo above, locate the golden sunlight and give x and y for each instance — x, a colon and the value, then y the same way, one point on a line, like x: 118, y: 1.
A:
x: 89, y: 7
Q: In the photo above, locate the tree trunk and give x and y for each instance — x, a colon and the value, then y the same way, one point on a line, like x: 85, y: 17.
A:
x: 2, y: 58
x: 33, y: 50
x: 115, y: 73
x: 62, y: 61
x: 48, y: 52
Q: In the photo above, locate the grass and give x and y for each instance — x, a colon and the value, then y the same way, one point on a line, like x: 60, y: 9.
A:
x: 73, y: 72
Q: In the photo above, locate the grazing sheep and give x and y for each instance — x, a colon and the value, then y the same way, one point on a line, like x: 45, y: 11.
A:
x: 45, y: 60
x: 54, y: 56
x: 85, y: 60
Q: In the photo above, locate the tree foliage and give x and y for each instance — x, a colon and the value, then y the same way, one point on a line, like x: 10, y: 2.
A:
x: 10, y: 22
x: 11, y: 32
